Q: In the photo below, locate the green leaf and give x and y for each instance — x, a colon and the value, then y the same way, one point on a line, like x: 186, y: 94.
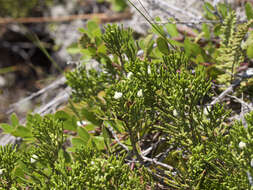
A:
x: 191, y: 49
x: 86, y: 54
x: 206, y: 30
x: 90, y: 127
x: 7, y: 128
x: 92, y: 50
x: 208, y: 8
x: 73, y: 49
x: 90, y: 116
x: 14, y: 120
x: 62, y: 116
x: 250, y: 51
x: 118, y: 5
x: 172, y: 29
x: 249, y: 11
x: 99, y: 141
x: 162, y: 45
x: 217, y: 30
x: 101, y: 49
x: 107, y: 139
x: 83, y: 134
x: 63, y: 154
x: 19, y: 171
x: 82, y: 30
x: 223, y: 9
x: 70, y: 124
x: 78, y: 142
x: 93, y: 29
x: 22, y: 132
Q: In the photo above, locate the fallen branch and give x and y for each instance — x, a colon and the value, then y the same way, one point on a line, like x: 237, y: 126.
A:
x: 241, y: 102
x: 154, y: 161
x: 103, y: 17
x: 227, y: 91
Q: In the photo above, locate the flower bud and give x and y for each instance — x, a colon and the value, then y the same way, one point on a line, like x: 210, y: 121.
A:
x: 117, y: 95
x: 242, y: 145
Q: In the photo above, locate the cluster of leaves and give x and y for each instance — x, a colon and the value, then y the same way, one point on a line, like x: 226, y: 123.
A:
x: 44, y: 163
x: 140, y: 103
x: 223, y: 45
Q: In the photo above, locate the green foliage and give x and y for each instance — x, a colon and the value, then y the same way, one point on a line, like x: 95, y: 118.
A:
x: 223, y: 58
x: 8, y: 161
x: 45, y: 163
x: 162, y: 92
x: 230, y: 52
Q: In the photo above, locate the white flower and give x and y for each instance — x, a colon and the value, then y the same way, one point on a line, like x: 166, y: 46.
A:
x: 251, y: 163
x: 249, y: 72
x: 175, y: 113
x: 81, y: 123
x: 1, y: 171
x: 34, y: 158
x: 149, y: 70
x: 92, y: 163
x: 242, y: 145
x: 117, y: 95
x: 139, y: 93
x: 129, y: 75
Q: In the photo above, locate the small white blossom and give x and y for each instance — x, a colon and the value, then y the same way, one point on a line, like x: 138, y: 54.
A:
x: 92, y: 163
x: 139, y: 93
x: 117, y: 95
x: 1, y: 171
x: 81, y: 123
x: 242, y: 145
x: 34, y: 158
x: 249, y: 72
x: 149, y: 70
x: 129, y: 75
x: 175, y: 113
x: 251, y: 163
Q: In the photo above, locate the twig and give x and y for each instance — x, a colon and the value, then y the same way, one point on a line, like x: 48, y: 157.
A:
x: 241, y: 102
x: 157, y: 162
x: 245, y: 75
x: 116, y: 138
x: 53, y: 104
x: 103, y: 17
x: 228, y: 90
x: 52, y: 86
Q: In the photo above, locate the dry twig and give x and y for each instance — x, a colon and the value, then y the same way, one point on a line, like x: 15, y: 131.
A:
x: 103, y: 17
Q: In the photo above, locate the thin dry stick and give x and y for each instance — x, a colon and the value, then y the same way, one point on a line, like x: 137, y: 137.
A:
x: 52, y: 86
x: 103, y: 17
x: 223, y: 94
x: 116, y: 138
x: 157, y: 162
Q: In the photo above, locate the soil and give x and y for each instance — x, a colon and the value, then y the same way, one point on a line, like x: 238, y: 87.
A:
x: 24, y: 68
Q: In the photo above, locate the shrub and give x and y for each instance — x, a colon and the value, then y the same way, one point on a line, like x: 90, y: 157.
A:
x: 140, y: 111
